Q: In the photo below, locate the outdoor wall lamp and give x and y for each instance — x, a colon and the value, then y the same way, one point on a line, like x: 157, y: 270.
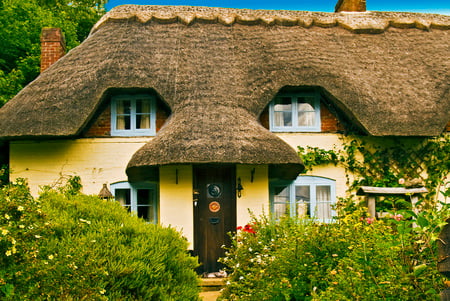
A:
x: 239, y: 188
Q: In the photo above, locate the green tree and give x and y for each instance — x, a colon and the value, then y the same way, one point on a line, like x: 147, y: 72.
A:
x: 22, y: 21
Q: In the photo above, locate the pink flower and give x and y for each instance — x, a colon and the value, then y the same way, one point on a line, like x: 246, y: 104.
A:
x: 397, y: 217
x: 369, y: 220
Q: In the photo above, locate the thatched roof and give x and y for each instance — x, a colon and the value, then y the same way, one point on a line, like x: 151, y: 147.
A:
x: 217, y: 69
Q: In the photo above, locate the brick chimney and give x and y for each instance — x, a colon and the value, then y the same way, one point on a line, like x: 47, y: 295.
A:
x: 53, y: 46
x: 350, y: 5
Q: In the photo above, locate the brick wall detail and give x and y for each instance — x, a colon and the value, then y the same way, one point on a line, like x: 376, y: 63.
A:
x: 53, y: 46
x: 329, y: 122
x: 350, y: 5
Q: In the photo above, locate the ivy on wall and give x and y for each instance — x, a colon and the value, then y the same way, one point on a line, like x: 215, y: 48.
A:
x: 388, y: 162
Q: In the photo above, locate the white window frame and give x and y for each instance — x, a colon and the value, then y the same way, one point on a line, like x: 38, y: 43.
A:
x: 133, y: 131
x: 294, y: 111
x: 312, y: 182
x: 133, y: 187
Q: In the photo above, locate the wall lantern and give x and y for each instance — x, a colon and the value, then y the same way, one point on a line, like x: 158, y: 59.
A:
x: 239, y: 188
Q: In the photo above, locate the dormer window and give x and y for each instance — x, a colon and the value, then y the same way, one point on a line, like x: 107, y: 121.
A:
x: 133, y: 115
x: 295, y: 112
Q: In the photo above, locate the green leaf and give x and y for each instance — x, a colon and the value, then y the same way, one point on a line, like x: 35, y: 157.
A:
x: 422, y: 222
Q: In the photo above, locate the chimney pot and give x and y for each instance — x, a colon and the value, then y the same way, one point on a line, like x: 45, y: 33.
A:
x: 350, y: 6
x: 53, y: 46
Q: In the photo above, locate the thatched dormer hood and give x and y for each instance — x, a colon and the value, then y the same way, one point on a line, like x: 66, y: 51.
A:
x: 217, y: 69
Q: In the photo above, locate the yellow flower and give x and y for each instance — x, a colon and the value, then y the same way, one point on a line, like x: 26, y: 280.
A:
x: 20, y: 208
x: 6, y: 216
x: 8, y: 253
x: 13, y: 241
x: 102, y: 291
x: 50, y: 257
x: 333, y: 272
x: 21, y: 226
x: 5, y: 231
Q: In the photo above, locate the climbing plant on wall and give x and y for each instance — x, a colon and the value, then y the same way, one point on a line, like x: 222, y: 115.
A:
x: 388, y: 162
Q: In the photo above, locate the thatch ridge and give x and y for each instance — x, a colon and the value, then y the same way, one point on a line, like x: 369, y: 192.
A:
x: 357, y: 22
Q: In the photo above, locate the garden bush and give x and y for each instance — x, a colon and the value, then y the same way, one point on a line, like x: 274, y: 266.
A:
x: 68, y: 246
x: 354, y: 258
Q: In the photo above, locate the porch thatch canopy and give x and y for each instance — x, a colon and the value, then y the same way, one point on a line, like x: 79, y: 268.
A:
x: 214, y: 134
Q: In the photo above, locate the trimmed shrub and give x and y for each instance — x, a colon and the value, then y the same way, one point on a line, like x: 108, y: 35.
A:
x: 67, y: 246
x: 354, y: 258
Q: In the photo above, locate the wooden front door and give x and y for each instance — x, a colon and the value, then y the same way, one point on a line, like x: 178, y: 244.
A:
x: 214, y: 214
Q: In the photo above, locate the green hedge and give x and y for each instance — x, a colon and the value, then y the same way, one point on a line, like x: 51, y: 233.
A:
x: 65, y: 246
x: 354, y: 258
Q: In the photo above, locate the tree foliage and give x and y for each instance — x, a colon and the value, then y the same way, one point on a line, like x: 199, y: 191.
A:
x: 22, y: 21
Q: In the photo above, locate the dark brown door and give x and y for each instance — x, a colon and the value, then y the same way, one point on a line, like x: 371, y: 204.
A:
x: 214, y: 214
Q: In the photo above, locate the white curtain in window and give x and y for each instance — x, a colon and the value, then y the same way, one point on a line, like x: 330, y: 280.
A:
x: 120, y: 122
x: 145, y: 118
x: 323, y: 202
x: 279, y: 119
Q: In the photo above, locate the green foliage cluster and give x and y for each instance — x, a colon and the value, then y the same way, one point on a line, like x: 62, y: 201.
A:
x: 383, y: 162
x: 354, y: 258
x: 69, y: 246
x: 22, y: 21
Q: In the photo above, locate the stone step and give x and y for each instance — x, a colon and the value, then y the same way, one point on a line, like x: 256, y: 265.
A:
x: 212, y: 284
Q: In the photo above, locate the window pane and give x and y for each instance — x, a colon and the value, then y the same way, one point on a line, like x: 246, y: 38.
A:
x: 123, y: 110
x: 145, y: 204
x: 124, y: 107
x: 323, y: 196
x: 281, y: 200
x: 123, y: 196
x: 142, y: 106
x: 283, y: 111
x: 142, y: 114
x: 306, y: 118
x: 306, y: 112
x: 303, y: 199
x: 142, y: 121
x: 279, y: 210
x: 123, y: 122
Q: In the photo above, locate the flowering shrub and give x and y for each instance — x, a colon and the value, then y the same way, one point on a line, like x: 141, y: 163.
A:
x: 67, y: 246
x: 351, y: 259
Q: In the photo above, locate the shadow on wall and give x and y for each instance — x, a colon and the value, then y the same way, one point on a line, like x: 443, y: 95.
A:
x: 4, y: 162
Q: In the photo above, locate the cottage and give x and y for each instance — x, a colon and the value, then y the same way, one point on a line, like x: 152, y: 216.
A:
x: 192, y: 115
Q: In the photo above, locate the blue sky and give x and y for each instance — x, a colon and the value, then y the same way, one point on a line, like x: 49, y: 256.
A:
x: 428, y: 6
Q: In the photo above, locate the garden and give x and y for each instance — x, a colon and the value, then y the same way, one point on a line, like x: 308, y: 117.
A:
x: 64, y: 245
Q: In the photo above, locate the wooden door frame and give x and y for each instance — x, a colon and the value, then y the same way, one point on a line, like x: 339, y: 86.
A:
x: 231, y: 214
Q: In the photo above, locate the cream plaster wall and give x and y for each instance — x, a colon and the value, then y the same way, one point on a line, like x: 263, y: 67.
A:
x: 324, y: 141
x: 175, y: 200
x: 254, y: 196
x: 96, y: 161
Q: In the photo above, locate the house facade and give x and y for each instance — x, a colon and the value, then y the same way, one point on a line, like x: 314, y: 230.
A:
x: 192, y: 116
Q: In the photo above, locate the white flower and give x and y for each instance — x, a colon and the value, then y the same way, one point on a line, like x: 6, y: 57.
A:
x: 37, y: 236
x: 50, y: 257
x: 5, y: 231
x: 242, y: 277
x: 6, y: 216
x: 103, y: 291
x: 85, y: 221
x: 20, y: 208
x: 250, y: 249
